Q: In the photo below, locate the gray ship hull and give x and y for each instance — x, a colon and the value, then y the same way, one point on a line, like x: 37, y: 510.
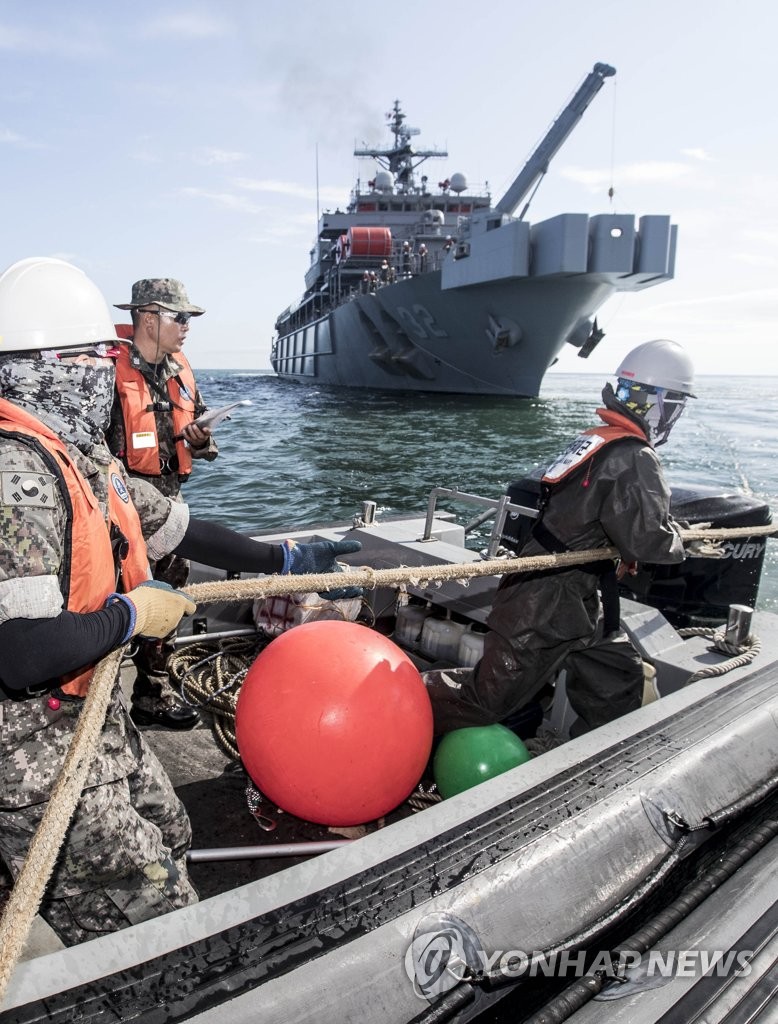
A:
x: 491, y: 319
x: 415, y: 290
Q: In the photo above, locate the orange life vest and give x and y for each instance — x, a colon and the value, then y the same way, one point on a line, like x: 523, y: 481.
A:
x: 140, y: 425
x: 589, y: 443
x: 87, y: 574
x: 615, y: 428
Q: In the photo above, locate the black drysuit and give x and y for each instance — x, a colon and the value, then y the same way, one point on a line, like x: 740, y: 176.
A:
x: 618, y: 498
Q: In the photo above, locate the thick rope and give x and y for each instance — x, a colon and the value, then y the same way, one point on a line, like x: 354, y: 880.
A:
x: 212, y: 679
x: 744, y: 653
x: 369, y: 579
x: 30, y: 886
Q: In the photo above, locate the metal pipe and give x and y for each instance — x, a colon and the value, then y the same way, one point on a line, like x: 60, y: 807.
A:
x: 257, y: 852
x: 479, y: 520
x: 447, y: 492
x: 225, y: 634
x: 499, y: 523
x: 427, y: 535
x: 503, y: 506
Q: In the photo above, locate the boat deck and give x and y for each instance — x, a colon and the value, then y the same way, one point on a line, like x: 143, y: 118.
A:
x: 212, y: 787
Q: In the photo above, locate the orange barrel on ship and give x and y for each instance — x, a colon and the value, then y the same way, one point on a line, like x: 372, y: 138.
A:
x: 369, y: 242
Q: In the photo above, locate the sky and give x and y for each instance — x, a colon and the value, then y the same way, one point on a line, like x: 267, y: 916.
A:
x: 198, y: 140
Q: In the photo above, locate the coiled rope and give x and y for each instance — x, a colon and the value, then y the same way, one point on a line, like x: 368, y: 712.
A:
x: 742, y: 653
x: 30, y: 885
x: 212, y: 679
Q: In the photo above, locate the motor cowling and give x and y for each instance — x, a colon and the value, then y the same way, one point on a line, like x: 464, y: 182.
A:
x: 699, y: 590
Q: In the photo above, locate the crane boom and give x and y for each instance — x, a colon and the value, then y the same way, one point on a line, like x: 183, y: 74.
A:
x: 537, y: 165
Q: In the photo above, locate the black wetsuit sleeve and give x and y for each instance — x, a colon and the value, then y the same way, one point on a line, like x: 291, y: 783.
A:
x: 215, y: 545
x: 36, y: 652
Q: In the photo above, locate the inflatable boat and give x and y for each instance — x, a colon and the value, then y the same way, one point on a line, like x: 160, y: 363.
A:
x: 628, y: 874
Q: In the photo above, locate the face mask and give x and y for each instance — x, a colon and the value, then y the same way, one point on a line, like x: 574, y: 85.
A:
x: 663, y: 414
x: 658, y: 407
x: 72, y: 399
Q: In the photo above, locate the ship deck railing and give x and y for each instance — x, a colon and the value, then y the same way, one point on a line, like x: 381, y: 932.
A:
x: 419, y: 200
x: 349, y: 282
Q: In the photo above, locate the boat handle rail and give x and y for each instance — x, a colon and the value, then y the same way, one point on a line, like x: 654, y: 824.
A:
x: 500, y: 509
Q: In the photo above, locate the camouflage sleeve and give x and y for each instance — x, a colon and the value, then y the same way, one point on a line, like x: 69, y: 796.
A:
x: 163, y: 520
x: 115, y: 437
x: 32, y: 528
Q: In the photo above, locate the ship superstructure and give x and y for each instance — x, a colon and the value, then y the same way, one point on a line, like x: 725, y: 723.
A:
x: 432, y: 287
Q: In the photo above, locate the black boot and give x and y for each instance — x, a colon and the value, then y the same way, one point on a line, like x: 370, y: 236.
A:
x: 155, y: 702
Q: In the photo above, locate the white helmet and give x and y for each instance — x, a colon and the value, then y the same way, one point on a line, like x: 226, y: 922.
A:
x: 50, y: 304
x: 654, y: 381
x: 662, y: 364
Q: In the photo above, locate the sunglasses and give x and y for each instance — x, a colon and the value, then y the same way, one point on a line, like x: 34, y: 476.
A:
x: 177, y: 318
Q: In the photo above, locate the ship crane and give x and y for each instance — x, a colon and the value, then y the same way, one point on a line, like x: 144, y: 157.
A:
x: 417, y: 289
x: 538, y: 163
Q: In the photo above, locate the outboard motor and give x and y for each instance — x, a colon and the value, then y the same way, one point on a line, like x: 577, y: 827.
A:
x: 517, y: 528
x: 699, y: 590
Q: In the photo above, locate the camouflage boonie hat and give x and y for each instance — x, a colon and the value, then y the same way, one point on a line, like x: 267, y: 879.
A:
x: 161, y: 291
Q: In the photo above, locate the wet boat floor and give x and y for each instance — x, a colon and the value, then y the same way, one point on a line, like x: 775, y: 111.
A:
x: 212, y: 787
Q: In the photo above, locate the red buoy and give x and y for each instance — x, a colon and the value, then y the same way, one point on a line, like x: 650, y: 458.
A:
x: 334, y: 723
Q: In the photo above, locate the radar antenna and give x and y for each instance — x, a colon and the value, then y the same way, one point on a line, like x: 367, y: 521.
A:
x: 402, y: 159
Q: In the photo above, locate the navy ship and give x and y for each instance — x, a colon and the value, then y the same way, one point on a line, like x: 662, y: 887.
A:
x: 416, y: 288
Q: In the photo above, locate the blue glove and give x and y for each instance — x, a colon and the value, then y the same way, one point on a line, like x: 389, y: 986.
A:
x: 301, y: 559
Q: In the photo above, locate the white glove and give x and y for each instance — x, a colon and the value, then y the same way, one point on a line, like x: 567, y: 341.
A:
x: 704, y: 548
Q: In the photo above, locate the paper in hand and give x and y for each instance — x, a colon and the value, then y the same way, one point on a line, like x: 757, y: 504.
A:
x: 214, y: 417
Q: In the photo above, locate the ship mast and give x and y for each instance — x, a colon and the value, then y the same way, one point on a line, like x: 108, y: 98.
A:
x: 537, y: 165
x: 401, y: 160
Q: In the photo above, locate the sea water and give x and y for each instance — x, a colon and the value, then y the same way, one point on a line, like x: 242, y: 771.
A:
x: 301, y: 455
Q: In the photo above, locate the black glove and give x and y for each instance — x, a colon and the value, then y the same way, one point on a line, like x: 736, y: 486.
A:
x: 303, y: 559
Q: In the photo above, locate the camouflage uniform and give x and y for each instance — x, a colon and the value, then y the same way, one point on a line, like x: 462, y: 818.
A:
x: 170, y: 484
x: 123, y: 860
x: 152, y: 687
